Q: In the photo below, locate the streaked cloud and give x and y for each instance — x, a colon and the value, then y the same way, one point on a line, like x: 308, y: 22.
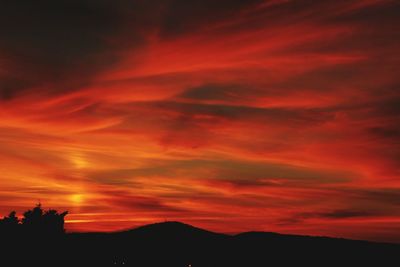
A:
x: 231, y: 115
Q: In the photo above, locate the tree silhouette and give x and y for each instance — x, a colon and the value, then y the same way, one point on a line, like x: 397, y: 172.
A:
x: 35, y: 222
x: 33, y: 218
x: 53, y: 221
x: 9, y: 224
x: 11, y: 219
x: 46, y: 223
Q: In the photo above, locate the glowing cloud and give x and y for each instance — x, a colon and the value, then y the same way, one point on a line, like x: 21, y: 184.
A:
x: 230, y: 115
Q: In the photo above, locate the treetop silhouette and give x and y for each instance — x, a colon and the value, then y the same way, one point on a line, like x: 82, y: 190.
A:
x: 34, y: 222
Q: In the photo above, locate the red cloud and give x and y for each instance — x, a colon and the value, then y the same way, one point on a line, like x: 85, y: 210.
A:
x: 264, y: 115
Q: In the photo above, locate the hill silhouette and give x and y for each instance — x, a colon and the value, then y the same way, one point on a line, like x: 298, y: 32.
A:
x: 179, y: 244
x: 170, y: 230
x: 182, y: 245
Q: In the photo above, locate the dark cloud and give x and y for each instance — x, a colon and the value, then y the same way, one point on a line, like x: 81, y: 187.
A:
x: 371, y: 14
x: 142, y: 203
x: 64, y: 43
x: 225, y: 93
x: 11, y: 87
x: 330, y: 215
x: 180, y: 16
x: 194, y: 122
x: 232, y: 112
x: 389, y: 196
x: 343, y: 214
x: 53, y: 42
x: 58, y: 41
x: 214, y: 92
x: 387, y: 108
x: 385, y: 132
x: 54, y: 32
x: 123, y: 200
x: 195, y: 125
x: 236, y: 173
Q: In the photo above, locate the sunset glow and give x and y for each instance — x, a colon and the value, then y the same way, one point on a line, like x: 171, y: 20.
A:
x: 272, y: 115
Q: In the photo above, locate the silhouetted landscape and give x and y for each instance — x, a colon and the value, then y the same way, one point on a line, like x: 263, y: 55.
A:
x: 194, y: 116
x: 39, y: 239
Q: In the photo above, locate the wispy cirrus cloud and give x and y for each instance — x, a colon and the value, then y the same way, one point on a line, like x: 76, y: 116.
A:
x: 260, y: 115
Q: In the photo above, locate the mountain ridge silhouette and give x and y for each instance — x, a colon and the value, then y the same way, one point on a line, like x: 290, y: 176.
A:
x: 178, y: 244
x: 170, y: 225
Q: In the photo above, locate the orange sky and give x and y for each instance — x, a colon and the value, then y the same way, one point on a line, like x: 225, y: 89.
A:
x: 271, y: 115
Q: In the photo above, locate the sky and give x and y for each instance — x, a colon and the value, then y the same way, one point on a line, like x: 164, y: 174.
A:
x: 266, y: 115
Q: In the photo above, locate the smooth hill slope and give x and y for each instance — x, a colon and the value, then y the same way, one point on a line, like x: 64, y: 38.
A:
x: 174, y: 244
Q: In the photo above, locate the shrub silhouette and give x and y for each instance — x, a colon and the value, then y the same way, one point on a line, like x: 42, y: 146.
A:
x: 9, y: 224
x: 36, y: 221
x: 53, y: 222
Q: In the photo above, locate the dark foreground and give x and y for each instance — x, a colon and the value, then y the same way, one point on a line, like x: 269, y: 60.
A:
x: 175, y: 244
